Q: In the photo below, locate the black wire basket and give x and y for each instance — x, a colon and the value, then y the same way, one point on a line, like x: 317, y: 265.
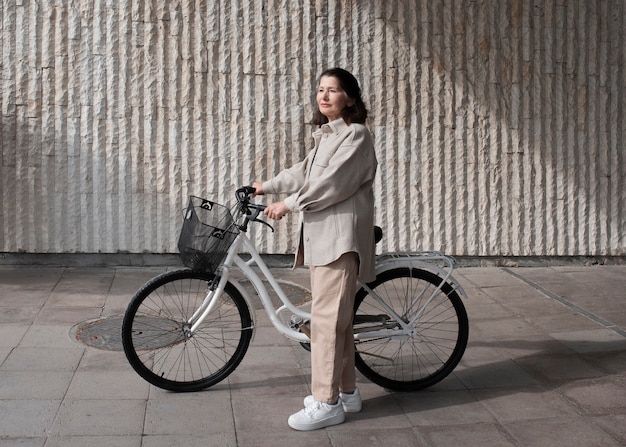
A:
x: 208, y: 232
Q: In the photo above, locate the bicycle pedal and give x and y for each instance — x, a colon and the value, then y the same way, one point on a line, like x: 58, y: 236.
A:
x: 300, y: 324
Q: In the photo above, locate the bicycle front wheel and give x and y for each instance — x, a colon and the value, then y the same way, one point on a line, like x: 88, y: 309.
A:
x: 156, y: 332
x: 439, y: 339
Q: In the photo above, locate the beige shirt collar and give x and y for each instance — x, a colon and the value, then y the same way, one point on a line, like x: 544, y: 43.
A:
x: 336, y: 127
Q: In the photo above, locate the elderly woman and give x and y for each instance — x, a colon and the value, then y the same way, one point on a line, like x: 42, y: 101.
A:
x: 332, y: 191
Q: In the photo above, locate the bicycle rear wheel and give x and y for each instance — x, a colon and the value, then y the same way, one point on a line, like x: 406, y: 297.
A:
x: 157, y: 342
x: 403, y: 362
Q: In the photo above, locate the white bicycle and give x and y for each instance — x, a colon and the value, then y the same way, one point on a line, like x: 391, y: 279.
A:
x: 187, y: 330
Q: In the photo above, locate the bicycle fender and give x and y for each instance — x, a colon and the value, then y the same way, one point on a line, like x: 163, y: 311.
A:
x: 248, y: 301
x: 420, y: 260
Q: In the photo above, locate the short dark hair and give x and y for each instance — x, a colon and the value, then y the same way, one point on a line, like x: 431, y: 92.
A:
x: 356, y: 113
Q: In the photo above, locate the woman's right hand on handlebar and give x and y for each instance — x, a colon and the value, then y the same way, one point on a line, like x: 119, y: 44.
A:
x: 276, y: 210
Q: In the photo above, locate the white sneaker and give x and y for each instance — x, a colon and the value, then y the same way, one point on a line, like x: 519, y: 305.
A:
x: 317, y: 415
x: 351, y: 402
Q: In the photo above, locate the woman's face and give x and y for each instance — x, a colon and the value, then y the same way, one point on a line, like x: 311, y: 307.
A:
x: 331, y: 99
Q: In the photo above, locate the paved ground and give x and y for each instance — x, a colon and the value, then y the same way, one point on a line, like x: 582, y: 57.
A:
x: 545, y: 366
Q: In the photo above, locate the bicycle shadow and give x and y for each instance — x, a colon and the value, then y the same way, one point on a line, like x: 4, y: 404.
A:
x: 547, y: 362
x: 550, y: 366
x: 489, y: 368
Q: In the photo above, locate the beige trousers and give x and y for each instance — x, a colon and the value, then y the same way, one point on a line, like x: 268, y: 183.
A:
x: 333, y: 287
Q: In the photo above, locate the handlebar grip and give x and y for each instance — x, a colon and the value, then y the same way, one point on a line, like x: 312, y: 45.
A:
x: 251, y: 210
x: 243, y: 194
x: 249, y: 189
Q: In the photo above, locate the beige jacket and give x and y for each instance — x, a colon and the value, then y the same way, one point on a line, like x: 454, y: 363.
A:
x: 332, y: 190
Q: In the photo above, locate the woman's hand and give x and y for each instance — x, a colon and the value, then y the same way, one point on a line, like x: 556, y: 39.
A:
x: 276, y: 210
x: 259, y: 189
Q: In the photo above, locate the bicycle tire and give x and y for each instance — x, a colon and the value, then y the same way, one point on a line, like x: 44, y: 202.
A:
x: 154, y: 339
x: 410, y: 363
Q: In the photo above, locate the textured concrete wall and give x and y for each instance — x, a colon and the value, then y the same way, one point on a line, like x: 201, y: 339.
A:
x: 499, y: 124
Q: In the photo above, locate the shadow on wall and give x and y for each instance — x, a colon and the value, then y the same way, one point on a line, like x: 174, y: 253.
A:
x: 515, y: 107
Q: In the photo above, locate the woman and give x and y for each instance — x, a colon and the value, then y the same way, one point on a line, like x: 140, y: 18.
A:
x: 332, y: 190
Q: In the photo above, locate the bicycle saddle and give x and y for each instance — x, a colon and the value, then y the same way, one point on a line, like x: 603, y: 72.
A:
x: 378, y: 234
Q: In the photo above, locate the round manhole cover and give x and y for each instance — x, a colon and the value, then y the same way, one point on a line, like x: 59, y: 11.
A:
x: 106, y: 333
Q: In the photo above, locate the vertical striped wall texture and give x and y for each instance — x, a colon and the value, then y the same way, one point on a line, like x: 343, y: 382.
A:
x: 499, y: 124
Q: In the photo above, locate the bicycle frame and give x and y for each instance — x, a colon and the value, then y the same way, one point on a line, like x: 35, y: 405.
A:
x: 235, y: 261
x: 426, y: 260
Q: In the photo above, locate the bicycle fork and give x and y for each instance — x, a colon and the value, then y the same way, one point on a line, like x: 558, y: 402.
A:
x: 207, y: 306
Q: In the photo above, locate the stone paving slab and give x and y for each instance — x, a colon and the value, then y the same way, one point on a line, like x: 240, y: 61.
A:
x: 545, y: 365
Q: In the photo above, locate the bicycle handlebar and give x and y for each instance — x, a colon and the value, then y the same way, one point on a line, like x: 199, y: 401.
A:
x: 244, y: 195
x: 248, y: 208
